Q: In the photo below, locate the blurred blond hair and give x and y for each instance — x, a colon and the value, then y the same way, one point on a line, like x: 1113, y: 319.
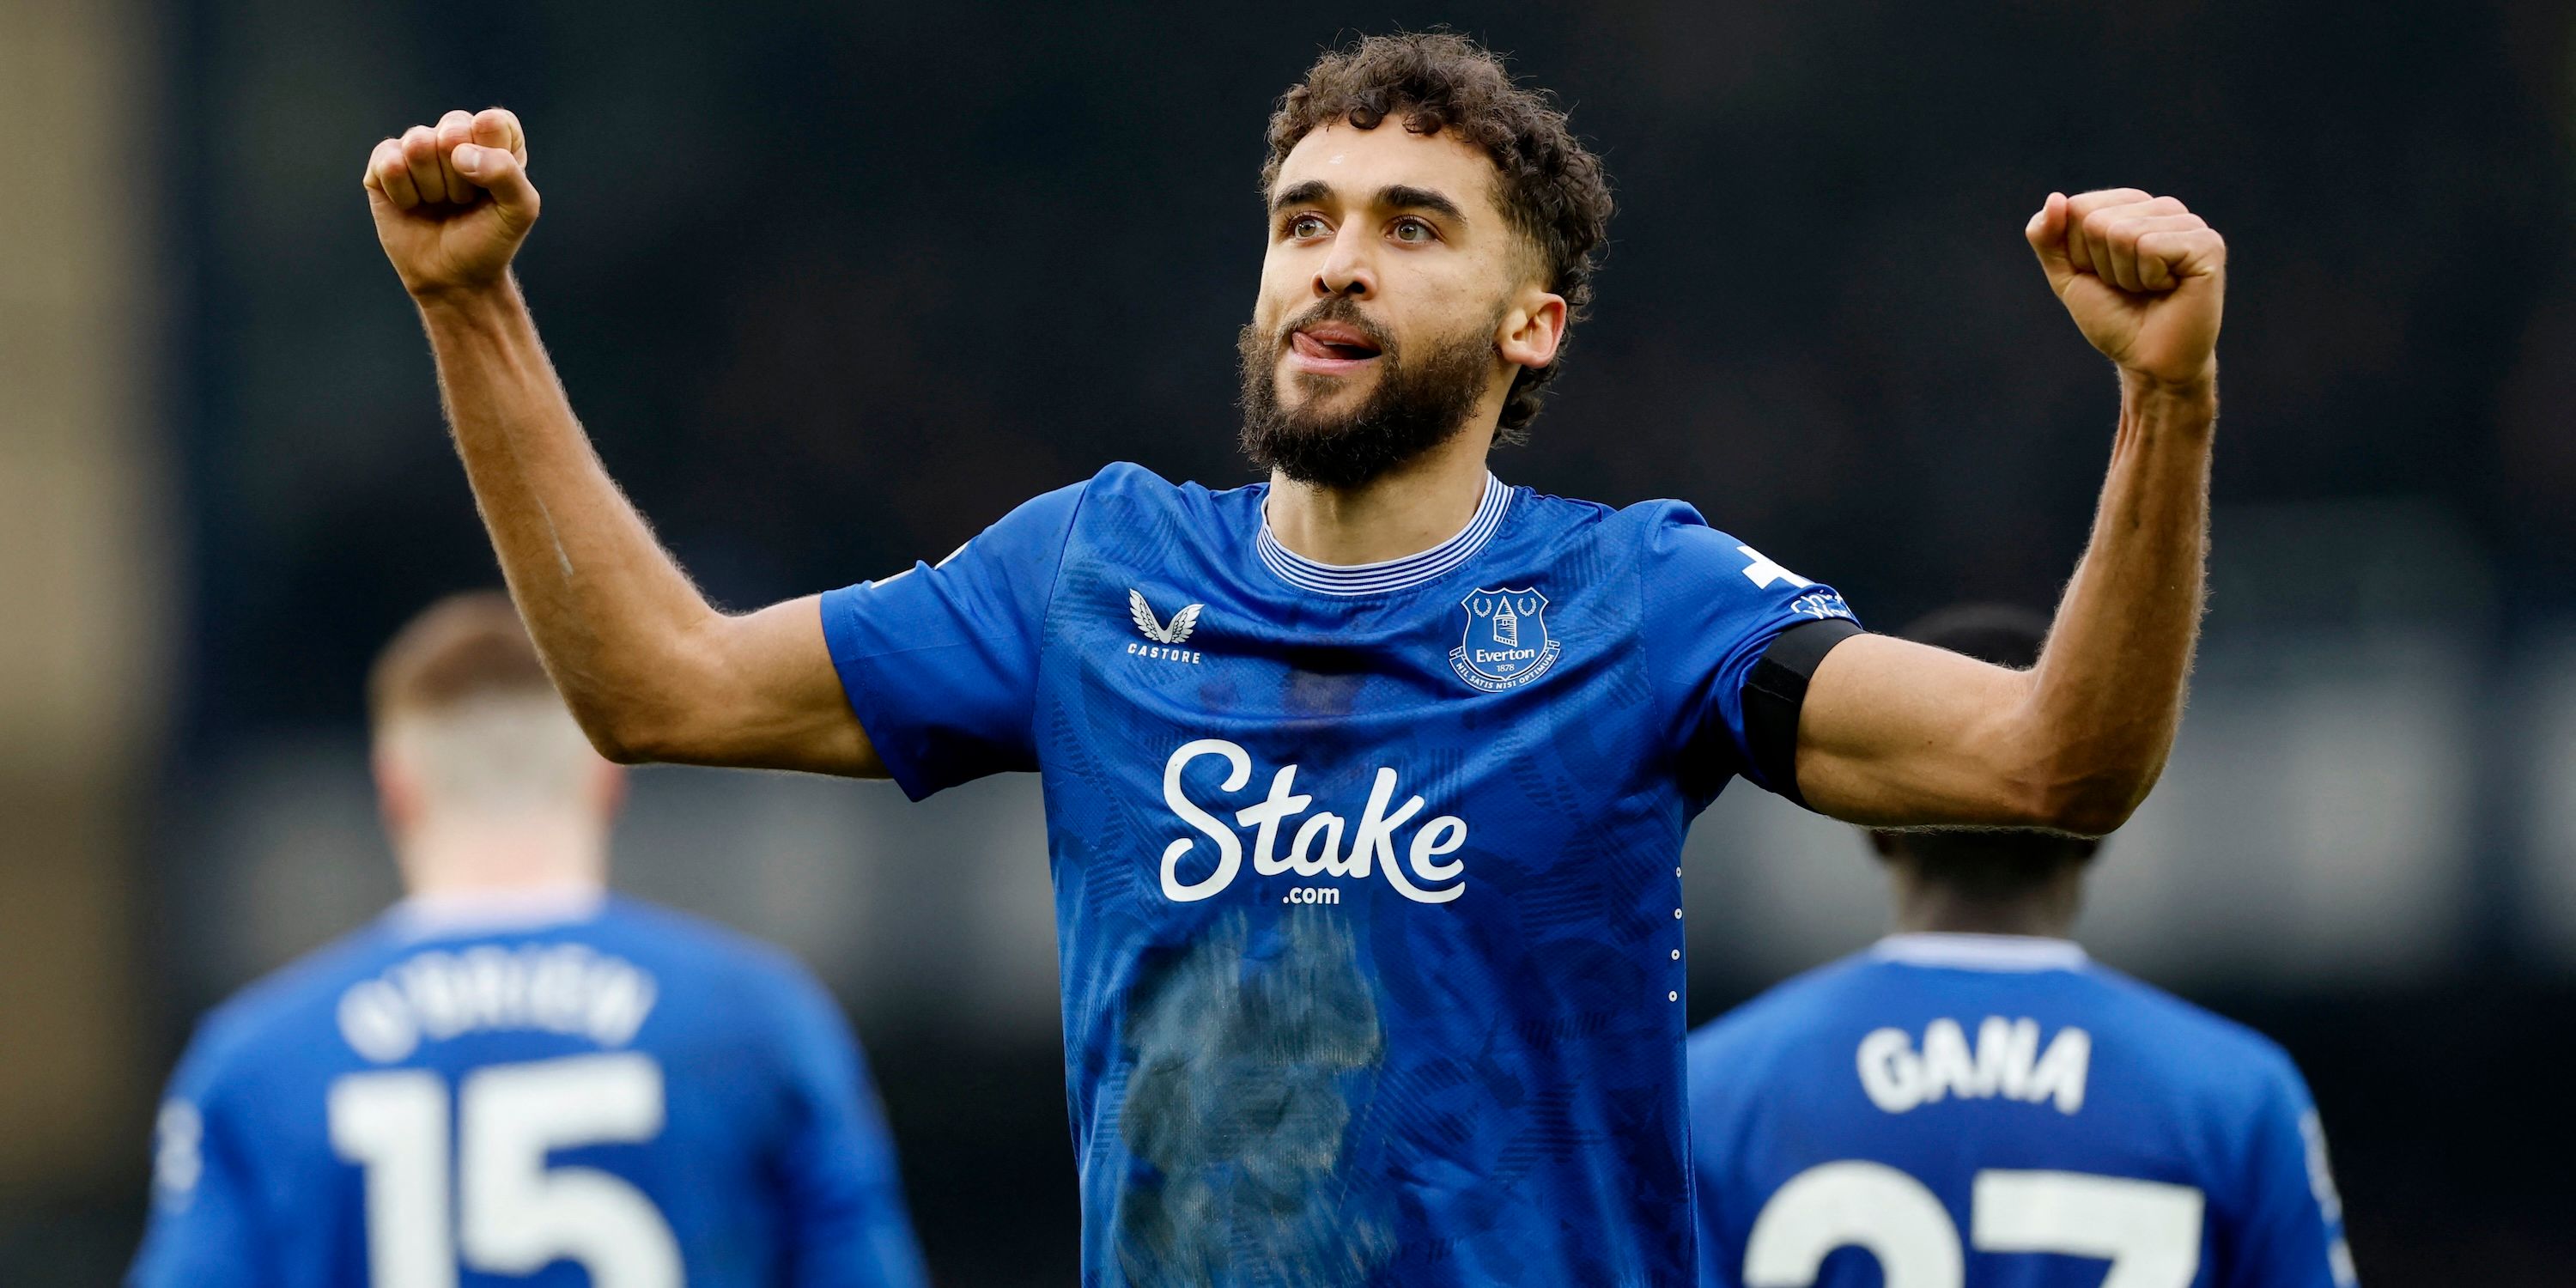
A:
x: 460, y: 699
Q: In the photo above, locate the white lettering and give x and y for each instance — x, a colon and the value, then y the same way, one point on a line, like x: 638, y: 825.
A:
x: 1264, y: 819
x: 1948, y: 1069
x: 1161, y: 653
x: 498, y: 994
x: 2004, y: 1062
x: 618, y: 1007
x: 1328, y: 826
x: 1890, y: 1071
x: 553, y: 988
x: 1374, y: 838
x: 2006, y: 1050
x: 376, y: 1023
x: 1229, y: 850
x: 1316, y: 847
x: 429, y: 986
x: 1427, y: 846
x: 2061, y: 1072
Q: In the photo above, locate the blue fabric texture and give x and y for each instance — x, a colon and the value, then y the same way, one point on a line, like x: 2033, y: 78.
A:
x: 1367, y: 882
x: 2003, y: 1096
x: 748, y: 1124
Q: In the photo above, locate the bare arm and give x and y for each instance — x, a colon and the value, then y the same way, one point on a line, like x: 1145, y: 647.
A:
x: 1895, y: 733
x: 652, y: 671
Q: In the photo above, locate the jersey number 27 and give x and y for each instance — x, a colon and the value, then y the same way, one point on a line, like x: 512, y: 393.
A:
x: 515, y: 1215
x: 2149, y: 1231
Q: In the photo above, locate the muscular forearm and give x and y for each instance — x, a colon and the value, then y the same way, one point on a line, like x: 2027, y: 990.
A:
x: 1894, y: 734
x: 650, y: 669
x: 2106, y: 697
x: 1897, y: 734
x: 609, y: 609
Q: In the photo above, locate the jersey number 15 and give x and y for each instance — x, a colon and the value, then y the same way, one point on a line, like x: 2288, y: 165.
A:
x: 515, y: 1214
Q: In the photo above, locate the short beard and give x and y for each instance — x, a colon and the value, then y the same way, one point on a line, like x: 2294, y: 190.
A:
x: 1417, y: 405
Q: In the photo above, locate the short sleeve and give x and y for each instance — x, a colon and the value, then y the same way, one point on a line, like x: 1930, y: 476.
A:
x: 204, y: 1230
x: 1713, y: 605
x: 845, y: 1215
x: 2286, y: 1229
x: 940, y: 662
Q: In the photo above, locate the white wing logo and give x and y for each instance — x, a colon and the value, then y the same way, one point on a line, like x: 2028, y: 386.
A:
x: 1183, y: 622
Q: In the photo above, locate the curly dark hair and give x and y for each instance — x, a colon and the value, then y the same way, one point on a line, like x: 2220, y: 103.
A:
x: 1552, y: 189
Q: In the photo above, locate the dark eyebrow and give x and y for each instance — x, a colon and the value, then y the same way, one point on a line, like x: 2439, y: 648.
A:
x: 1310, y: 192
x: 1405, y: 197
x: 1398, y: 196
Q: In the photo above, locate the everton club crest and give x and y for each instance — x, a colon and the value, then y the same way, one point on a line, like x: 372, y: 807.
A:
x: 1507, y: 644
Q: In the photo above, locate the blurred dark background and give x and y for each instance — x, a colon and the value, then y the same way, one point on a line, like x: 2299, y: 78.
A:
x: 835, y: 285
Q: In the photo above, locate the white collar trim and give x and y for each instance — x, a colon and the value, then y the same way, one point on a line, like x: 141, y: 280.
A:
x: 422, y: 916
x: 1388, y: 575
x: 1982, y: 952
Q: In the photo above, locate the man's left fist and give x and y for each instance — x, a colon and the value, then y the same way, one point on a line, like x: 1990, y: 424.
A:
x: 2144, y: 278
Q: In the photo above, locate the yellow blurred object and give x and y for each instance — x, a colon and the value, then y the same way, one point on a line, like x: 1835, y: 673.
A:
x: 83, y: 575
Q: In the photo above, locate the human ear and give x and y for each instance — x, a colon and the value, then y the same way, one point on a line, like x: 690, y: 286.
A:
x: 398, y: 794
x: 1532, y: 329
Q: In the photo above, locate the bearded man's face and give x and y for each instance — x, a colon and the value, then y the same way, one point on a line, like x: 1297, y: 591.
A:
x: 1390, y: 274
x: 1417, y: 396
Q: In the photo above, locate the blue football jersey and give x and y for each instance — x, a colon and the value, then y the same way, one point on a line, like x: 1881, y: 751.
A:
x: 1949, y: 1110
x: 1367, y: 878
x: 594, y: 1093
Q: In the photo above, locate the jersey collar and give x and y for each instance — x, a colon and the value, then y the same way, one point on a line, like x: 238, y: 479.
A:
x: 431, y: 916
x: 1982, y: 952
x: 1388, y: 575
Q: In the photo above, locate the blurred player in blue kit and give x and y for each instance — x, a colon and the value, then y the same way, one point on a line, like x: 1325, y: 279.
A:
x: 514, y: 1077
x: 1975, y: 1102
x: 1366, y: 785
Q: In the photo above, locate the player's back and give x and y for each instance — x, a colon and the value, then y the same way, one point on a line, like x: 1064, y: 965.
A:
x: 1951, y: 1110
x: 602, y: 1093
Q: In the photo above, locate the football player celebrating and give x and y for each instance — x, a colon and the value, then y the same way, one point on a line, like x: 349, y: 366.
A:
x: 1366, y: 786
x: 513, y: 1077
x: 1974, y: 1102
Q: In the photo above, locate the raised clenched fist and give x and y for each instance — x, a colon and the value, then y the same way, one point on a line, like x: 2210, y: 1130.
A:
x: 453, y: 202
x: 2144, y: 278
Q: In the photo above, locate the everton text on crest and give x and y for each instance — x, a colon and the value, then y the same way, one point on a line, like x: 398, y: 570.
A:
x: 1507, y: 643
x: 1317, y: 847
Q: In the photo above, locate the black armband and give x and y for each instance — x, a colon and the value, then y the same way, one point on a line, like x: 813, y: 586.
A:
x: 1776, y: 691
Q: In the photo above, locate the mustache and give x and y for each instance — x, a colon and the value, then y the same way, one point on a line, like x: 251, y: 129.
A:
x: 1339, y: 308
